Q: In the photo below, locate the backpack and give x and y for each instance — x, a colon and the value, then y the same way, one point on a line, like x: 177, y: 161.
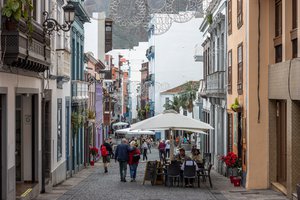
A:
x: 103, y: 151
x: 136, y: 157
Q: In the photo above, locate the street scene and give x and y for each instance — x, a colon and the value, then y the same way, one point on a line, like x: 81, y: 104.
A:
x: 149, y: 99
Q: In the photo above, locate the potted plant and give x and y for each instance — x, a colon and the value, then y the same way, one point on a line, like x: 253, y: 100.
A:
x: 236, y: 106
x: 94, y: 152
x: 233, y: 164
x: 14, y: 10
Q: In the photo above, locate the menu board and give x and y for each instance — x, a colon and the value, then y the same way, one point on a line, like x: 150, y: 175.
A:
x: 150, y: 172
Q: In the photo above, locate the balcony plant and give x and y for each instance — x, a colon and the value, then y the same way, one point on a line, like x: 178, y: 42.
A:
x: 14, y: 12
x: 236, y: 107
x: 91, y: 114
x: 209, y: 18
x: 77, y: 121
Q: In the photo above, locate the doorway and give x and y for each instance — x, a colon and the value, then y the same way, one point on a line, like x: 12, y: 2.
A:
x: 2, y: 145
x: 281, y: 125
x: 26, y: 156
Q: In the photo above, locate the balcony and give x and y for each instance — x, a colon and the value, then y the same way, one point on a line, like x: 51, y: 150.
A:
x: 215, y: 84
x: 79, y: 91
x: 32, y: 54
x: 198, y: 53
x: 150, y: 79
x: 150, y: 52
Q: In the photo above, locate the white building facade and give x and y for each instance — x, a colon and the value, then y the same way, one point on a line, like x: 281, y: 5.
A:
x: 213, y: 30
x: 171, y: 61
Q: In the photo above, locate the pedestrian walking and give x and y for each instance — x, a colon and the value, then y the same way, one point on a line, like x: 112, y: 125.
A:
x: 105, y: 157
x: 162, y: 149
x: 149, y: 144
x: 168, y: 146
x: 133, y: 161
x: 121, y: 155
x: 145, y: 148
x: 108, y: 147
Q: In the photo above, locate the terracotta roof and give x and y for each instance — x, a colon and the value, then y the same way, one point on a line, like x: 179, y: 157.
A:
x: 181, y: 88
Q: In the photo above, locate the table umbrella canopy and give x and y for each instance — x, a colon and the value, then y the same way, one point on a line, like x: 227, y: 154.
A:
x: 120, y: 124
x: 172, y: 120
x: 128, y: 131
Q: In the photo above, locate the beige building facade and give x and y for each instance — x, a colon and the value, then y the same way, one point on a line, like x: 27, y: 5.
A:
x: 265, y: 132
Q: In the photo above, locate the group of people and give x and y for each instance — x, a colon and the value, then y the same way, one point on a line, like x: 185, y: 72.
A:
x: 128, y: 154
x: 195, y: 159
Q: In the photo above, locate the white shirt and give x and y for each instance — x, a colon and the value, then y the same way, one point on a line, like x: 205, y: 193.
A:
x: 145, y: 145
x: 168, y: 146
x: 189, y: 163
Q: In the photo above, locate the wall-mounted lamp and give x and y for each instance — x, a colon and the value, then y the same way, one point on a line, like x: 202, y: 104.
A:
x: 51, y: 24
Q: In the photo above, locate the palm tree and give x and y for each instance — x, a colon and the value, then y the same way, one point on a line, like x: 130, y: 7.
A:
x: 188, y: 96
x: 174, y: 105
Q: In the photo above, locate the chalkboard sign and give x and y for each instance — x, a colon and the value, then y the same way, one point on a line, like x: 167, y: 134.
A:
x: 150, y: 172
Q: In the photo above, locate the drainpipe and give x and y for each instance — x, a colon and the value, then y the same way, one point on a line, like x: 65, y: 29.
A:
x: 43, y: 138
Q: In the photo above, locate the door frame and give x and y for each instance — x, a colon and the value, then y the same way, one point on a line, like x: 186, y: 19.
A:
x: 3, y: 144
x: 281, y: 137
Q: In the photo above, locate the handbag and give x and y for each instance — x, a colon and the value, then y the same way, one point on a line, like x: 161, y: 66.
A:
x: 136, y: 157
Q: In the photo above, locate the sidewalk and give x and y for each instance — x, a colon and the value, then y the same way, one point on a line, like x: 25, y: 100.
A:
x: 67, y: 185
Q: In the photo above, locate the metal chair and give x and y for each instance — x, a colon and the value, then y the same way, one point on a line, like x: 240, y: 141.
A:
x: 205, y: 173
x: 173, y: 171
x: 189, y: 172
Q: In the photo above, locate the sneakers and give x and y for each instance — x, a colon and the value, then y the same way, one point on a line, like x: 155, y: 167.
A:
x: 133, y: 180
x: 105, y: 170
x: 123, y: 180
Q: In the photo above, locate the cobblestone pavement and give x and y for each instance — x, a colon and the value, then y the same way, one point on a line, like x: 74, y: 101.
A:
x: 93, y: 184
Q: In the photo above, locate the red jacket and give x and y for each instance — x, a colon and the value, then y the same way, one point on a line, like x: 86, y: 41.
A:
x: 131, y: 153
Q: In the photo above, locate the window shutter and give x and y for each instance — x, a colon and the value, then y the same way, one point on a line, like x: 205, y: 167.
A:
x: 229, y: 17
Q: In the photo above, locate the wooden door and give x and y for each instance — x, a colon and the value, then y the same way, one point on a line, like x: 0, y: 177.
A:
x: 281, y: 117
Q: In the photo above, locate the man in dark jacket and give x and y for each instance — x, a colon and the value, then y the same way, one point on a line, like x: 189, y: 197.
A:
x: 121, y: 155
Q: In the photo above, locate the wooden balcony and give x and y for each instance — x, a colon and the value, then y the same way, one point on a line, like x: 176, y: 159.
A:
x: 20, y: 50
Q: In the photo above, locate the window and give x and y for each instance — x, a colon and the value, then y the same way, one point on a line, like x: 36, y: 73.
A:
x: 34, y: 9
x: 229, y: 72
x: 230, y: 131
x: 240, y: 69
x: 295, y: 48
x: 167, y: 100
x: 59, y: 129
x: 295, y: 14
x: 229, y: 17
x: 278, y: 53
x: 278, y: 18
x: 239, y: 13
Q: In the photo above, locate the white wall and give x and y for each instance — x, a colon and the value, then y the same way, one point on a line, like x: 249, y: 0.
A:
x: 12, y: 82
x: 95, y: 36
x: 174, y: 57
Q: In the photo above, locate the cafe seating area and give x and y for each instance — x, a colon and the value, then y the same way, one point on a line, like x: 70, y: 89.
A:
x: 170, y: 173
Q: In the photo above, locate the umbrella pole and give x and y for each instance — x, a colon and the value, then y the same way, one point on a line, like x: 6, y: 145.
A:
x: 171, y: 145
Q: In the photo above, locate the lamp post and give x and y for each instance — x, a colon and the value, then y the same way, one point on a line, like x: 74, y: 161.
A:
x: 50, y: 24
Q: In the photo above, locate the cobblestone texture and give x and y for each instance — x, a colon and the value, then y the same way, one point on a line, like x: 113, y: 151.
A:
x: 98, y: 185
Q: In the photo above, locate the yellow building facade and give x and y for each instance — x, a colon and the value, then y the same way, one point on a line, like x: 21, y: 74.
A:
x: 264, y: 75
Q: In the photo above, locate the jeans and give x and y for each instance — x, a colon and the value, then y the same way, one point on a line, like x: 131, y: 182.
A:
x: 133, y: 168
x: 162, y: 154
x: 168, y: 153
x: 145, y: 154
x: 123, y: 169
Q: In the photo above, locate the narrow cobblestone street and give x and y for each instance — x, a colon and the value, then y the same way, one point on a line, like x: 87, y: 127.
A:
x: 92, y: 183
